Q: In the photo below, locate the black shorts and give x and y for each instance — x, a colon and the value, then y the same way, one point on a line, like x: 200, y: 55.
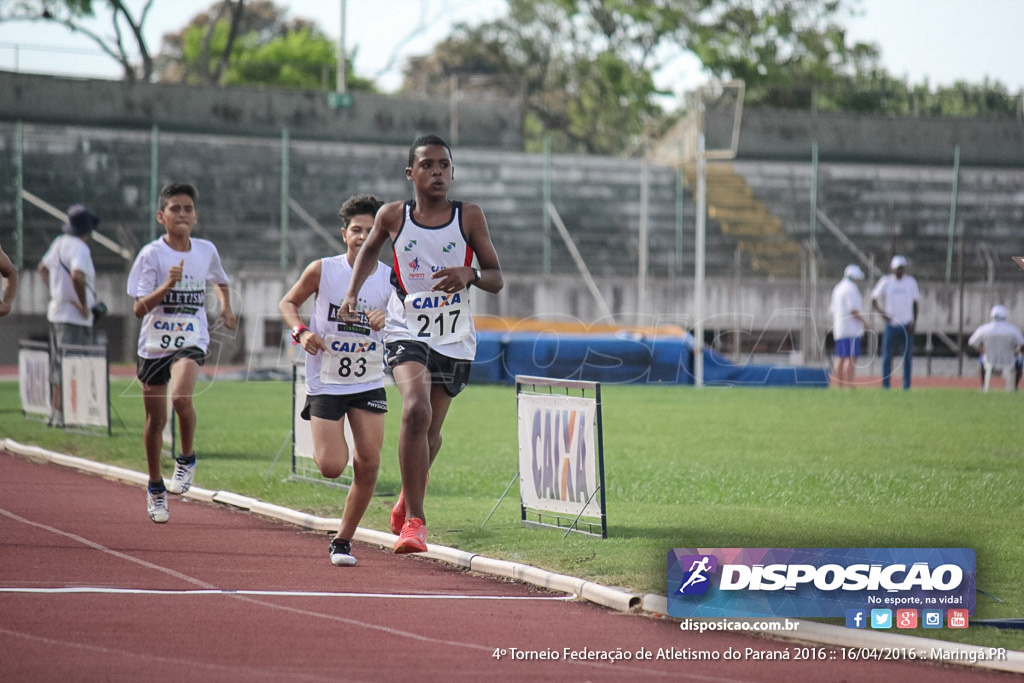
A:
x: 334, y: 407
x: 450, y: 373
x: 156, y: 372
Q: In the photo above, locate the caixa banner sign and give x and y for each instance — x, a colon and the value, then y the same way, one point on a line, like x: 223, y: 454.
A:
x: 816, y: 582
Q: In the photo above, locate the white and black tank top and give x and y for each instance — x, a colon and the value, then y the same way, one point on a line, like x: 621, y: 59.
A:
x: 441, y: 320
x: 354, y: 359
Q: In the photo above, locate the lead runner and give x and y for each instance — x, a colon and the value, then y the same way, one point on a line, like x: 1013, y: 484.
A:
x: 429, y: 335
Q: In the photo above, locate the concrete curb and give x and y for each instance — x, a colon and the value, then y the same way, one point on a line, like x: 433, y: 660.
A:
x: 651, y: 604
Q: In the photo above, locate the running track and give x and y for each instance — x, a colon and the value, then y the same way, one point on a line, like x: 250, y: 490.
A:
x: 191, y: 600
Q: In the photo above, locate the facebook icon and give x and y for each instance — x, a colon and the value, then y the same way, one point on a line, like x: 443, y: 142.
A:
x: 856, y: 618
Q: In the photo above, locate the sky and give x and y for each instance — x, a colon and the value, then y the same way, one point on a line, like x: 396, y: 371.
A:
x: 939, y: 40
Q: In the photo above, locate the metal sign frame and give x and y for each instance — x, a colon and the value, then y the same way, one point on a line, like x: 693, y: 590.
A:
x: 538, y: 517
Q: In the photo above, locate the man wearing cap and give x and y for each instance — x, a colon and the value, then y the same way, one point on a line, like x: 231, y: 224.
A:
x: 68, y: 272
x: 989, y: 333
x: 895, y: 297
x: 847, y: 324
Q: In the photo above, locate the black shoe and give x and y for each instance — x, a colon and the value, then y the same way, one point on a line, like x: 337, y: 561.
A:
x: 341, y: 553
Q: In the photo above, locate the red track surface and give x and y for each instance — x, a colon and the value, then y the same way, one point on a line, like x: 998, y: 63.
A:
x: 390, y: 618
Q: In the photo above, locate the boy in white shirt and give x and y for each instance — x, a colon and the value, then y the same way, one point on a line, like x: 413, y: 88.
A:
x: 168, y: 281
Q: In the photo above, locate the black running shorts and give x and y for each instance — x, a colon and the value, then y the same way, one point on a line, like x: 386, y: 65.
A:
x: 334, y: 406
x: 156, y: 372
x: 450, y: 373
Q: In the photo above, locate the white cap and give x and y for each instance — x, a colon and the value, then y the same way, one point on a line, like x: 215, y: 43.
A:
x: 898, y: 261
x: 998, y: 312
x: 853, y: 272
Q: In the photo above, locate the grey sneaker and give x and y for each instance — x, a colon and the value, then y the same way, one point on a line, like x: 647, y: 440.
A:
x: 184, y: 473
x: 156, y: 506
x: 341, y: 553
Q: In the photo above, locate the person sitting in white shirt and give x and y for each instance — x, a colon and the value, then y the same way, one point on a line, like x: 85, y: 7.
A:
x: 988, y: 334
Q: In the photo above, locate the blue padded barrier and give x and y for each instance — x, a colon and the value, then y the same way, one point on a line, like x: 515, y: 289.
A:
x: 621, y: 359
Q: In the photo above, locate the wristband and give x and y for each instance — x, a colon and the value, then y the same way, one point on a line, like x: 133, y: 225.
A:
x: 297, y: 332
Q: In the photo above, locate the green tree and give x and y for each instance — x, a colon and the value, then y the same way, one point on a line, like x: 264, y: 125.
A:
x: 210, y: 37
x: 263, y: 47
x: 877, y: 92
x: 989, y: 98
x: 297, y: 59
x: 585, y: 69
x: 126, y: 44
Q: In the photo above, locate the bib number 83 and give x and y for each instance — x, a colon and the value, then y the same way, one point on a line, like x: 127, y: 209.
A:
x: 346, y: 370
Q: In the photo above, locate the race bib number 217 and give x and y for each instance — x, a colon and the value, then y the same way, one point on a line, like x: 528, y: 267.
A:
x: 441, y: 318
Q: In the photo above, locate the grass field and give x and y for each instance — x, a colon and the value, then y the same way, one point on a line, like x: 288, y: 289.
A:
x: 684, y: 468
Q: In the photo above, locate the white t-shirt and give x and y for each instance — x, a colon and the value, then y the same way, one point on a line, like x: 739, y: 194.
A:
x: 74, y: 254
x: 897, y: 297
x: 354, y: 360
x: 179, y: 321
x: 845, y: 300
x: 995, y: 328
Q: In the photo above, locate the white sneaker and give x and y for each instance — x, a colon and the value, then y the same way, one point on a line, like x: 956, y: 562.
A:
x: 156, y: 506
x: 341, y: 553
x: 184, y: 473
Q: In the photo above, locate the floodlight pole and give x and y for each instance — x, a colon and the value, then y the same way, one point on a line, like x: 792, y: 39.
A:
x: 341, y: 52
x: 701, y: 222
x: 699, y: 249
x: 643, y: 258
x: 19, y: 197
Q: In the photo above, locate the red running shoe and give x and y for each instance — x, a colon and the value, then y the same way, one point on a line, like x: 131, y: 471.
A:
x: 413, y: 538
x: 398, y: 514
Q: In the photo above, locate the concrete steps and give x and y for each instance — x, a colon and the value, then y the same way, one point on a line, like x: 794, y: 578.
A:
x: 761, y: 235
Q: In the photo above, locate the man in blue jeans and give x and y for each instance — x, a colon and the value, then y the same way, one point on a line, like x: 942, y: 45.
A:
x: 895, y: 297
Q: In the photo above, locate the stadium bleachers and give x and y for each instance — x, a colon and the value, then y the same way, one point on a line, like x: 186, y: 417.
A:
x: 759, y: 210
x: 240, y: 182
x: 741, y: 214
x: 887, y: 209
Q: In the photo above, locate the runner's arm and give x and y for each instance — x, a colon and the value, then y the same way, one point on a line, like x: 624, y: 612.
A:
x: 307, y: 285
x: 147, y: 302
x: 227, y: 317
x: 385, y: 225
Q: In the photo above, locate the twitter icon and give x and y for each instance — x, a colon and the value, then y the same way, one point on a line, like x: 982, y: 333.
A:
x: 881, y: 618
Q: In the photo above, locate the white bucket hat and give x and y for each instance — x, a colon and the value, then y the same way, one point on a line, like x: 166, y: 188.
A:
x: 853, y: 272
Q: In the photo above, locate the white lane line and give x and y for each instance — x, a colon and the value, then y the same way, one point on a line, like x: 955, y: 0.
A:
x: 396, y: 632
x: 265, y: 593
x: 103, y: 549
